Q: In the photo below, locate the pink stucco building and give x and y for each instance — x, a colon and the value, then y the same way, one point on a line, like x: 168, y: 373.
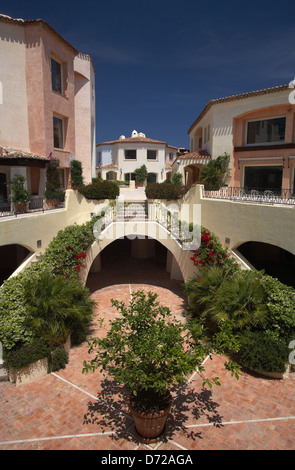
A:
x: 47, y: 104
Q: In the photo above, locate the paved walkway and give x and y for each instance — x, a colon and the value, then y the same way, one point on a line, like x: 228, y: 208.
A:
x: 68, y: 410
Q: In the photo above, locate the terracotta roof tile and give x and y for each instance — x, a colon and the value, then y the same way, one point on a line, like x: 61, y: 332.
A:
x: 201, y: 154
x: 12, y: 153
x: 109, y: 165
x: 237, y: 97
x: 138, y: 139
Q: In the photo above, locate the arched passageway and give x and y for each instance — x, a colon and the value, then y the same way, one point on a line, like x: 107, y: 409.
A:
x: 137, y: 261
x: 11, y: 256
x: 274, y: 260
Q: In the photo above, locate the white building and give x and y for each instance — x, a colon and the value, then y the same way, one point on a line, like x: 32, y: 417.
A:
x: 118, y: 159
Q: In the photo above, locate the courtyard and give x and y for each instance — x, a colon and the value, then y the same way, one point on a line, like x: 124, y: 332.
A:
x: 68, y: 410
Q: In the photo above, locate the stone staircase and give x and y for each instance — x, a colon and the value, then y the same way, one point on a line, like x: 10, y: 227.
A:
x: 136, y: 210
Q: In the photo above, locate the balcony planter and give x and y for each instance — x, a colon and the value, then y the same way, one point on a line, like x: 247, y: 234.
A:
x: 53, y: 198
x: 52, y: 203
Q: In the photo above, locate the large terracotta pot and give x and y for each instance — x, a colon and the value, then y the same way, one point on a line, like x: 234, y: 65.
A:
x: 20, y: 207
x: 149, y: 425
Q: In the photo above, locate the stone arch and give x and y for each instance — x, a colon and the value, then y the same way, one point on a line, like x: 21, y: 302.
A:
x: 12, y: 257
x: 179, y: 261
x: 273, y: 259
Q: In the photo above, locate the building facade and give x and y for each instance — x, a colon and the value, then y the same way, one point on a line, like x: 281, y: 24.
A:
x: 118, y: 159
x: 47, y: 104
x: 257, y: 129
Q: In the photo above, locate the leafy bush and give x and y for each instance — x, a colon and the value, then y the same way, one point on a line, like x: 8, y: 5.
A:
x: 211, y: 253
x: 57, y: 194
x: 26, y: 355
x: 215, y: 173
x: 76, y: 174
x: 168, y: 191
x: 100, y: 190
x: 60, y: 258
x: 59, y: 357
x: 281, y: 308
x: 261, y: 352
x: 177, y: 179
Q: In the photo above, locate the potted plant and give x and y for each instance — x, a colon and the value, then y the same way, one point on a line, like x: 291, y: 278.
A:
x: 141, y: 175
x: 20, y: 195
x: 54, y: 197
x: 148, y: 351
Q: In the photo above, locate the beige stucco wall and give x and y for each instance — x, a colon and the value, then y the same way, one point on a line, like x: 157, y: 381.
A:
x: 220, y: 117
x: 129, y: 166
x: 242, y: 222
x: 14, y: 130
x: 27, y: 229
x: 85, y: 115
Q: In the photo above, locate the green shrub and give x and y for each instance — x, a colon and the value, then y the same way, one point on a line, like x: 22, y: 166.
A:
x: 177, y: 179
x: 168, y: 191
x: 76, y: 174
x: 54, y: 194
x: 100, y: 190
x: 26, y: 355
x: 141, y: 174
x: 261, y: 352
x: 281, y: 307
x: 59, y: 357
x: 59, y: 258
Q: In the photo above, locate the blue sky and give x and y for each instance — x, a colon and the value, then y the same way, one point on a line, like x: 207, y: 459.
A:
x: 158, y: 63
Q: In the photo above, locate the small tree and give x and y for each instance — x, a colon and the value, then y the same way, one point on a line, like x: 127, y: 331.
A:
x: 177, y: 179
x: 141, y: 174
x: 76, y: 174
x: 147, y: 349
x: 216, y: 172
x: 19, y: 193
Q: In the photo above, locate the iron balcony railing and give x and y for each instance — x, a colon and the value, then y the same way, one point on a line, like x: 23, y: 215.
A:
x: 40, y: 204
x: 253, y: 195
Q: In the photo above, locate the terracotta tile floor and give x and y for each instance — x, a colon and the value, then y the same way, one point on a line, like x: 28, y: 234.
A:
x: 69, y: 410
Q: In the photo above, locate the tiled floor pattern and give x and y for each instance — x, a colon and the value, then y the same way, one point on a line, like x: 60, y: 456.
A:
x: 69, y: 410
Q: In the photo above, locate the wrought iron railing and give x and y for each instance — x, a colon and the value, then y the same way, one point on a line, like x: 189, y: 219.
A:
x: 41, y: 204
x: 253, y: 195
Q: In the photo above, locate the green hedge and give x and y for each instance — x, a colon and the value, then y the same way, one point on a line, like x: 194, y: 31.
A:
x: 26, y: 355
x: 100, y: 190
x: 261, y: 352
x: 168, y: 191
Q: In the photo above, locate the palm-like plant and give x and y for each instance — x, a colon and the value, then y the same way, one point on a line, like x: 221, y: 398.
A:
x: 239, y: 299
x: 56, y: 304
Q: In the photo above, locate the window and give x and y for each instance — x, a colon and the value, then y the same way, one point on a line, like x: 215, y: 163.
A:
x: 265, y: 131
x: 130, y: 154
x: 152, y: 154
x: 58, y: 133
x: 56, y: 76
x: 263, y: 177
x: 129, y: 176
